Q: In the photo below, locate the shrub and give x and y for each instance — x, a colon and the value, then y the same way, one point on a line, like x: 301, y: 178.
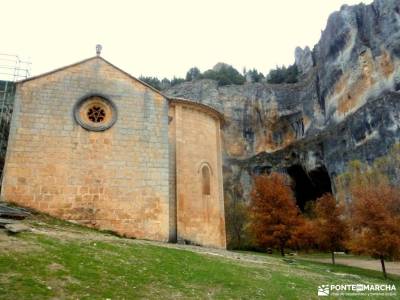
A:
x: 176, y: 81
x: 224, y: 74
x: 236, y: 222
x: 283, y: 75
x: 193, y: 74
x: 163, y: 84
x: 254, y: 76
x: 153, y: 81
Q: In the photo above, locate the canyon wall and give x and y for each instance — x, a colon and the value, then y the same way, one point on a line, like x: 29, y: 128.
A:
x: 346, y: 106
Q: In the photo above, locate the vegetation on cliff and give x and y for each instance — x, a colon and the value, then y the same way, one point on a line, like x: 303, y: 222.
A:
x: 225, y: 74
x: 284, y: 75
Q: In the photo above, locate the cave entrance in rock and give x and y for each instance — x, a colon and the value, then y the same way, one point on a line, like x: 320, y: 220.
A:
x: 309, y: 186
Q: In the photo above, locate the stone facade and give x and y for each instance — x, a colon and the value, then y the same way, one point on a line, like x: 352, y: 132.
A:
x: 120, y: 178
x: 197, y: 158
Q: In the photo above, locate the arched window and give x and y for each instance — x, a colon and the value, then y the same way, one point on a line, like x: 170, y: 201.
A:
x: 206, y: 180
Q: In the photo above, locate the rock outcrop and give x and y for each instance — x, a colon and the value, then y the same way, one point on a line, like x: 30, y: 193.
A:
x: 346, y: 107
x: 303, y: 59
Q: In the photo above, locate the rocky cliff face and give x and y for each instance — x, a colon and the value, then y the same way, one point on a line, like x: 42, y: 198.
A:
x: 346, y: 107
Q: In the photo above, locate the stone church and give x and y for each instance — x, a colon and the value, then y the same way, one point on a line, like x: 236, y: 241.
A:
x: 91, y: 144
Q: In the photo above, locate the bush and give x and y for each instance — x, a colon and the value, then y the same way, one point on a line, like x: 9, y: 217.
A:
x: 284, y: 75
x: 224, y: 74
x: 163, y: 84
x: 193, y: 74
x: 254, y: 76
x: 176, y: 81
x: 153, y: 81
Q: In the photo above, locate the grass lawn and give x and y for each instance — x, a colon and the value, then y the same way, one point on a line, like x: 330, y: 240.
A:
x: 62, y: 261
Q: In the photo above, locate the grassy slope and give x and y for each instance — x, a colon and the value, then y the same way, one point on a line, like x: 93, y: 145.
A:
x: 52, y: 266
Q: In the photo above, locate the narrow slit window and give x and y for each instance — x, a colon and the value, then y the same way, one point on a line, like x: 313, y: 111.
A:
x: 205, y: 172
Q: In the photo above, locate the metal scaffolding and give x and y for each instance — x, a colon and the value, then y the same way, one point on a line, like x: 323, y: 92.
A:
x: 12, y: 69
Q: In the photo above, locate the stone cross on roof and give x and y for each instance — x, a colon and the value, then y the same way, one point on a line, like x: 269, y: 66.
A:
x: 98, y: 49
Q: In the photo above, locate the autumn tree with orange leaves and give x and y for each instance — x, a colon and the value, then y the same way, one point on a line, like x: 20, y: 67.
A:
x: 274, y: 214
x: 330, y: 228
x: 376, y: 221
x: 374, y: 201
x: 304, y: 236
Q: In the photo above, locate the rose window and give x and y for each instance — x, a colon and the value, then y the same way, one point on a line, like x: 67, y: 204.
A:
x: 95, y: 113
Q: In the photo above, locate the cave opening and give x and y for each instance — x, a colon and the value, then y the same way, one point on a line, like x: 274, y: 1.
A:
x: 309, y: 186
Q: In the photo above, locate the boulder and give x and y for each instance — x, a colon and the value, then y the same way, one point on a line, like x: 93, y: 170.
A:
x: 16, y: 228
x: 4, y: 222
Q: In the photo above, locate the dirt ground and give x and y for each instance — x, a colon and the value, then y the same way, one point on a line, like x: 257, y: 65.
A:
x: 391, y: 267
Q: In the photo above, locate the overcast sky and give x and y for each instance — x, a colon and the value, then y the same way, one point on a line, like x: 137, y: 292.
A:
x: 163, y: 38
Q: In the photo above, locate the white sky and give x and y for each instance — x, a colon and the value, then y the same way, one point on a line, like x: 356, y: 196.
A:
x: 163, y: 38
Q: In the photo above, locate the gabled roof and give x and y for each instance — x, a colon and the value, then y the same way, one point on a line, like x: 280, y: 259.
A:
x: 89, y: 59
x: 170, y: 99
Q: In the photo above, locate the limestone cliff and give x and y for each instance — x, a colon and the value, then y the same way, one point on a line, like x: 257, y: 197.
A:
x: 346, y: 106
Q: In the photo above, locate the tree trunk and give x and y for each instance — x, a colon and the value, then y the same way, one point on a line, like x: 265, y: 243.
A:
x: 333, y: 257
x: 282, y: 251
x: 383, y: 266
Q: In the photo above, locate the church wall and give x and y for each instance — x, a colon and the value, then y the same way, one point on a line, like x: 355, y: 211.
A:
x: 116, y: 179
x: 200, y: 207
x: 172, y: 174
